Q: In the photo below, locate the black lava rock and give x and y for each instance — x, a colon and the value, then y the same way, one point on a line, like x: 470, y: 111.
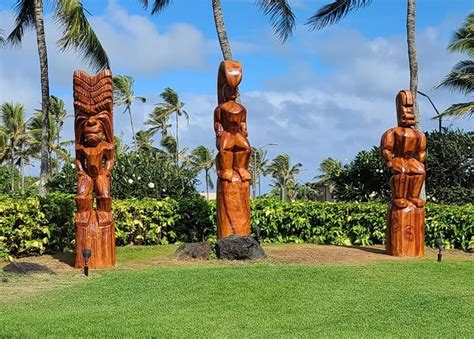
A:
x: 239, y: 248
x: 194, y: 250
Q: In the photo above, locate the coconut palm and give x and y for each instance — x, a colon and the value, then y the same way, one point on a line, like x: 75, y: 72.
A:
x: 281, y: 17
x: 203, y: 159
x: 77, y: 34
x: 124, y: 95
x: 461, y: 77
x: 159, y: 122
x: 329, y: 169
x: 14, y: 129
x: 258, y: 161
x: 283, y: 173
x: 56, y: 117
x: 335, y: 11
x: 171, y: 105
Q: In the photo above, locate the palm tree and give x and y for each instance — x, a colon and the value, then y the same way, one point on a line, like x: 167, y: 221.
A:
x: 159, y: 122
x: 283, y: 173
x: 171, y: 105
x: 56, y: 117
x: 13, y: 116
x: 77, y: 33
x: 461, y: 77
x: 203, y: 159
x: 281, y: 17
x: 329, y: 169
x: 335, y: 11
x: 258, y: 161
x: 124, y: 95
x: 2, y: 39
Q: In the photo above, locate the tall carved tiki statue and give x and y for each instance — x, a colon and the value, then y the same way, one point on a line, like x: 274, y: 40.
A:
x: 404, y: 150
x: 233, y: 183
x: 94, y: 141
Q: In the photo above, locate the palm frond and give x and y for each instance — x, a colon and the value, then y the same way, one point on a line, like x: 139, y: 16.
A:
x: 158, y: 5
x: 2, y: 39
x: 333, y: 12
x: 465, y: 109
x: 461, y: 78
x: 25, y: 18
x: 463, y: 39
x: 281, y: 16
x: 170, y: 97
x: 78, y: 33
x: 141, y: 99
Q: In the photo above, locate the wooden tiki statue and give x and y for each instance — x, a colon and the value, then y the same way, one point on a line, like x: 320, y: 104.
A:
x: 233, y: 183
x: 404, y: 150
x: 94, y: 141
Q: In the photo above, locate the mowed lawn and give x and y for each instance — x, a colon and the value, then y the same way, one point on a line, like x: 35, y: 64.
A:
x: 402, y: 298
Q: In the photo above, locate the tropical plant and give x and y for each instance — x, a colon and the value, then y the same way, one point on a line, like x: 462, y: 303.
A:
x: 338, y: 9
x: 258, y: 161
x: 2, y: 38
x: 281, y: 17
x: 56, y: 117
x: 15, y: 133
x: 124, y: 94
x: 203, y: 159
x: 461, y: 77
x: 171, y: 105
x: 77, y: 34
x: 283, y: 173
x: 329, y: 169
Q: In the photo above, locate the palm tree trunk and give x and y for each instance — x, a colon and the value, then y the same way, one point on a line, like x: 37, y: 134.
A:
x: 411, y: 42
x: 221, y: 31
x: 12, y: 167
x: 207, y: 184
x: 177, y: 139
x: 22, y: 172
x: 43, y: 59
x: 133, y: 128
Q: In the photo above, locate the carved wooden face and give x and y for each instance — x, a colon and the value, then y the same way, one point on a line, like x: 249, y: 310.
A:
x: 230, y: 93
x: 93, y: 128
x: 405, y: 109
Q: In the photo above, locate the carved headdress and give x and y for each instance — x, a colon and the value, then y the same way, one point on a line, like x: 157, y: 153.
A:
x: 229, y: 74
x: 93, y: 97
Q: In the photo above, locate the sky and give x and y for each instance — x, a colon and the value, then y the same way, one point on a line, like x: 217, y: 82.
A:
x: 327, y: 93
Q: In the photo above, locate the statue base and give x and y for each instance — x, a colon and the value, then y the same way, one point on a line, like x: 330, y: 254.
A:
x: 95, y: 230
x: 405, y: 231
x: 233, y: 207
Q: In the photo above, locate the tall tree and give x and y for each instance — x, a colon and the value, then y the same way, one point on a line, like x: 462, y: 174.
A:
x: 13, y: 117
x: 329, y: 169
x: 258, y: 161
x: 77, y: 34
x: 57, y: 116
x: 283, y: 173
x: 124, y: 94
x: 338, y: 9
x: 203, y: 159
x: 171, y: 105
x: 281, y: 17
x: 461, y: 77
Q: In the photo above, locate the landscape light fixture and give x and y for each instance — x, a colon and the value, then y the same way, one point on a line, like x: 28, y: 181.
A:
x: 86, y: 253
x: 440, y: 246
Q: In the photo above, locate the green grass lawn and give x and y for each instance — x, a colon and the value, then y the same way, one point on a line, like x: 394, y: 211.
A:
x: 398, y: 298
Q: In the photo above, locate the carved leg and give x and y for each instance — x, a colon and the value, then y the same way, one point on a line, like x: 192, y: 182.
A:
x: 224, y: 163
x: 416, y: 183
x: 399, y: 183
x: 241, y: 163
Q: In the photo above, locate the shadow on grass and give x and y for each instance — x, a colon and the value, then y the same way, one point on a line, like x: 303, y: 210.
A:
x: 67, y: 258
x: 26, y: 268
x: 380, y: 251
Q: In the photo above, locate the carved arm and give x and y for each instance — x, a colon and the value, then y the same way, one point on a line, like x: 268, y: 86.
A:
x: 386, y: 146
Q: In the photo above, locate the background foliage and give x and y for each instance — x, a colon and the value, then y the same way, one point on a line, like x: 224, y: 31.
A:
x: 39, y: 225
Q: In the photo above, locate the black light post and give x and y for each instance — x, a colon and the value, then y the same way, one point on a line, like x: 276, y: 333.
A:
x: 86, y: 253
x: 440, y: 246
x: 440, y: 119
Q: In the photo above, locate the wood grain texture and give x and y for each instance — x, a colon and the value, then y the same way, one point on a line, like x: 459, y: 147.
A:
x: 230, y: 125
x: 404, y: 150
x: 94, y: 144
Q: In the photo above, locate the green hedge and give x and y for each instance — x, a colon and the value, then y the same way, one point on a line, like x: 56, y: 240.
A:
x: 39, y: 225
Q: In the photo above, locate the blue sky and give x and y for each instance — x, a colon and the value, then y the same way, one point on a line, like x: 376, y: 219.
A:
x: 321, y: 94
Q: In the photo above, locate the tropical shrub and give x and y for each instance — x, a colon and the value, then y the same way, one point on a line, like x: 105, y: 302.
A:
x: 39, y: 225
